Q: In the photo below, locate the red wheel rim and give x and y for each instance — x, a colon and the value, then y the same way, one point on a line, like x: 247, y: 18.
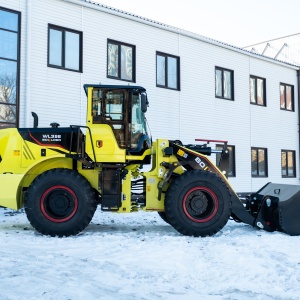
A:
x: 59, y: 204
x: 200, y: 204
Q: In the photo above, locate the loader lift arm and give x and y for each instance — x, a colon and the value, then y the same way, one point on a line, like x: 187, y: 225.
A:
x: 273, y: 207
x: 193, y: 157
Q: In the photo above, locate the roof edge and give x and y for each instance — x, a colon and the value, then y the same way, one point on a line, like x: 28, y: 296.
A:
x: 133, y: 17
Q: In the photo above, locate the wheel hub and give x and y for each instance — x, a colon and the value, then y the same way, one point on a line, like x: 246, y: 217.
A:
x: 198, y: 202
x: 59, y: 204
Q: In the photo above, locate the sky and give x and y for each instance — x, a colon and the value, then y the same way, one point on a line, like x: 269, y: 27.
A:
x: 238, y: 22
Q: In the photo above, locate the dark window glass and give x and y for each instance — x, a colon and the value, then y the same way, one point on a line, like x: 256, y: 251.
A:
x: 9, y: 44
x: 8, y: 81
x: 172, y: 73
x: 288, y: 164
x: 219, y: 83
x: 167, y: 71
x: 286, y: 96
x: 126, y: 62
x: 7, y: 113
x: 120, y: 61
x: 65, y: 48
x: 224, y: 83
x: 161, y: 70
x: 9, y: 20
x: 72, y: 50
x: 112, y: 60
x: 257, y: 90
x: 231, y: 149
x: 55, y: 47
x: 9, y: 67
x: 259, y: 165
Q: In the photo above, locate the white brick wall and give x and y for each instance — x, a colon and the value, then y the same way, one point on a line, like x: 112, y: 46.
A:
x: 194, y: 112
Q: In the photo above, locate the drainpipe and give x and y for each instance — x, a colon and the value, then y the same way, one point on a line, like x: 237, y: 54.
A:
x: 28, y: 64
x: 298, y: 89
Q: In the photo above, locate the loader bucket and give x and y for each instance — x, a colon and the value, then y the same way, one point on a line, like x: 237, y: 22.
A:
x: 277, y: 207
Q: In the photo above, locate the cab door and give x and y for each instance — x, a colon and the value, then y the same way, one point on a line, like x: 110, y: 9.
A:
x: 108, y: 123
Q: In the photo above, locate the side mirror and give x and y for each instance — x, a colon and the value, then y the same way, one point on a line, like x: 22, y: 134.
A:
x: 144, y: 102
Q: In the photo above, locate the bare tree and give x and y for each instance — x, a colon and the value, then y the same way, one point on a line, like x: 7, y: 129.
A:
x: 8, y: 98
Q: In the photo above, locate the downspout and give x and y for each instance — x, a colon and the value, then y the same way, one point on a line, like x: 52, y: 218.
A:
x: 28, y: 64
x: 298, y: 89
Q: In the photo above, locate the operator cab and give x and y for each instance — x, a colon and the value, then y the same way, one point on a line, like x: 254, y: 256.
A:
x: 123, y: 108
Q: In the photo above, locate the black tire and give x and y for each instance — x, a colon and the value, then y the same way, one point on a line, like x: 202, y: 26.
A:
x: 198, y: 203
x: 60, y: 202
x: 163, y: 215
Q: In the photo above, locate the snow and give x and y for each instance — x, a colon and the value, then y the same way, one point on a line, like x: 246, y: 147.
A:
x: 139, y: 256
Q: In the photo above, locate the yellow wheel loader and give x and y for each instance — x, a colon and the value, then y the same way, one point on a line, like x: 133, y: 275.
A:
x: 60, y: 174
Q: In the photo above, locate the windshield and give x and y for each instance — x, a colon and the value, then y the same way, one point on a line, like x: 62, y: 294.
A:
x: 138, y: 122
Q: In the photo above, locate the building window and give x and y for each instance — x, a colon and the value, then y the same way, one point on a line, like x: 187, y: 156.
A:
x: 257, y: 91
x: 231, y: 149
x: 288, y: 163
x: 64, y: 48
x: 286, y: 96
x: 259, y: 163
x: 224, y: 83
x: 167, y: 71
x: 9, y: 67
x: 120, y: 61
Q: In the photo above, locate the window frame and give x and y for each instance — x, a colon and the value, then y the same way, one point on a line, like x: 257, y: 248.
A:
x: 18, y: 66
x: 231, y: 80
x: 257, y: 163
x: 255, y: 89
x: 285, y: 99
x: 232, y: 152
x: 286, y: 168
x: 166, y: 55
x: 119, y: 44
x: 63, y: 30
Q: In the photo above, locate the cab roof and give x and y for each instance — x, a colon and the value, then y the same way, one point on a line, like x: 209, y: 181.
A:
x: 114, y: 87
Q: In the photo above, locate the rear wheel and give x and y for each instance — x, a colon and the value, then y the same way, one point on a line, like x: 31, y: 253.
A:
x: 198, y: 203
x: 60, y: 202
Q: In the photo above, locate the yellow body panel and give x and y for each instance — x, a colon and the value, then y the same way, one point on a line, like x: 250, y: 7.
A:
x: 10, y: 190
x: 105, y: 145
x: 10, y: 150
x: 21, y: 162
x: 156, y: 174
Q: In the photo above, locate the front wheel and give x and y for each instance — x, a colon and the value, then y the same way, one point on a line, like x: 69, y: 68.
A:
x: 60, y: 202
x: 163, y: 216
x: 198, y: 203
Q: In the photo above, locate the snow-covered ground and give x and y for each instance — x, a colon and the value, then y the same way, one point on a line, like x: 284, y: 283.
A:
x: 138, y: 256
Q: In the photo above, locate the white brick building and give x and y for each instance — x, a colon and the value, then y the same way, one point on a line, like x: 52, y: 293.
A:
x: 197, y: 87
